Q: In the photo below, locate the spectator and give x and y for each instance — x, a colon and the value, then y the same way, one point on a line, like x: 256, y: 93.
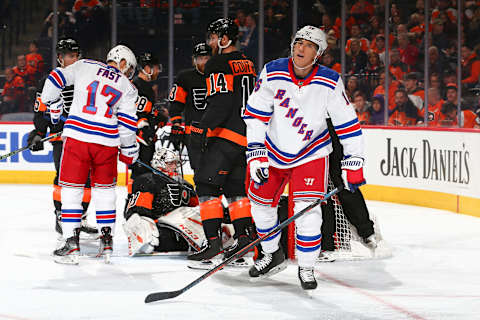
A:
x: 26, y: 72
x: 452, y: 96
x: 397, y: 67
x: 328, y: 61
x: 332, y: 45
x: 327, y: 25
x: 392, y: 88
x: 404, y: 113
x: 87, y: 5
x: 240, y: 20
x: 415, y: 92
x: 378, y: 46
x: 435, y: 63
x: 35, y: 59
x: 356, y: 58
x: 377, y: 111
x: 443, y: 6
x: 470, y: 66
x: 408, y: 52
x: 66, y: 23
x: 417, y: 24
x: 374, y: 67
x: 435, y: 103
x: 362, y: 10
x: 249, y: 45
x: 351, y: 87
x: 356, y: 34
x: 448, y: 117
x: 13, y: 94
x: 361, y: 107
x: 438, y: 35
x: 401, y: 29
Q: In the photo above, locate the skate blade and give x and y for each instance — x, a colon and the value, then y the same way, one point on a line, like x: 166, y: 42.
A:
x: 70, y: 259
x: 201, y: 265
x: 282, y: 266
x: 89, y: 236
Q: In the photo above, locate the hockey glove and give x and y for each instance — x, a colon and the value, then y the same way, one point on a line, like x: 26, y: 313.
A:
x: 129, y: 154
x: 257, y: 162
x: 142, y: 234
x: 177, y: 136
x: 198, y: 136
x: 34, y: 140
x: 145, y: 133
x: 352, y: 173
x: 55, y: 108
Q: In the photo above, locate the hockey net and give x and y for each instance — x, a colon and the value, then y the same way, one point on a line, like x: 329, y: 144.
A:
x: 348, y: 244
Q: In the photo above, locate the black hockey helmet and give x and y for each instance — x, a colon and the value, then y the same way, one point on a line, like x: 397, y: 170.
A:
x: 201, y: 49
x: 67, y: 45
x: 224, y: 26
x: 147, y: 59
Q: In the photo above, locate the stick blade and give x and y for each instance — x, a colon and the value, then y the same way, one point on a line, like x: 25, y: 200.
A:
x: 157, y: 296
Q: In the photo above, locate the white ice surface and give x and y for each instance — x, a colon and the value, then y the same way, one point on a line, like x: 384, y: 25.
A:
x: 434, y: 274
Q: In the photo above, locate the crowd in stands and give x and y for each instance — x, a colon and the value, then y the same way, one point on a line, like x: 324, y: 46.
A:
x: 365, y: 62
x: 365, y: 49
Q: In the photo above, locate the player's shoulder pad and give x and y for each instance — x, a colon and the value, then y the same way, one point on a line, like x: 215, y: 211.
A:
x: 328, y: 73
x: 217, y: 63
x: 90, y: 62
x: 277, y: 65
x: 143, y: 182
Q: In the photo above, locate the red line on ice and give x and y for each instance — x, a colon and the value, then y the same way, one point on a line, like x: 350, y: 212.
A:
x: 372, y: 296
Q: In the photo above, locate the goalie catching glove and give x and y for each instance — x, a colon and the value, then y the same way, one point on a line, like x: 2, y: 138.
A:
x: 142, y: 234
x: 257, y: 162
x: 352, y: 173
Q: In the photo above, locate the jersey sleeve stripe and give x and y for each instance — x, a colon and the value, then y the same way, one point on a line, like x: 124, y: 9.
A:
x: 349, y: 129
x: 346, y: 124
x: 125, y: 125
x: 258, y: 114
x: 55, y: 82
x: 60, y: 73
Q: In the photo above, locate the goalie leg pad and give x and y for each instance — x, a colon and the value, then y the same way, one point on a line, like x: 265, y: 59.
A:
x: 142, y: 234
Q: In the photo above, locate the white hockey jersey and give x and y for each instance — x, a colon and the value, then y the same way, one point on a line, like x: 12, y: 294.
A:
x: 288, y: 115
x: 103, y: 109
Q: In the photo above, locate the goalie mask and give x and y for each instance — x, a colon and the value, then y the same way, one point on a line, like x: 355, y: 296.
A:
x: 119, y: 53
x: 314, y: 35
x: 166, y: 161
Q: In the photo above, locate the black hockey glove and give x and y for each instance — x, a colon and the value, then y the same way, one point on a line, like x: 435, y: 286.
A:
x: 198, y: 136
x: 34, y: 139
x: 145, y: 135
x: 177, y: 136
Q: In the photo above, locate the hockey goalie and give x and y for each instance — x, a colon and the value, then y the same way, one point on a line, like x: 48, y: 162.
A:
x: 161, y: 215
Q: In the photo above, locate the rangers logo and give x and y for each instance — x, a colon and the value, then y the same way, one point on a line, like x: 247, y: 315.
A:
x: 199, y: 95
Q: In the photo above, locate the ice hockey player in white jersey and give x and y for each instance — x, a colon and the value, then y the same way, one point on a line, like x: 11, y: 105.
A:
x: 288, y: 141
x: 102, y: 118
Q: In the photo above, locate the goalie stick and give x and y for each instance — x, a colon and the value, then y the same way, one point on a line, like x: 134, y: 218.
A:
x: 164, y: 176
x: 157, y: 296
x: 5, y: 156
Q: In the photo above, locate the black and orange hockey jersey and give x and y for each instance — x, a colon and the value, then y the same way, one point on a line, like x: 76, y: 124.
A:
x: 230, y: 79
x: 187, y: 96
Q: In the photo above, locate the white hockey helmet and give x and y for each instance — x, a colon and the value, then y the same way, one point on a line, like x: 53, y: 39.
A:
x: 313, y: 34
x: 166, y: 161
x: 119, y: 53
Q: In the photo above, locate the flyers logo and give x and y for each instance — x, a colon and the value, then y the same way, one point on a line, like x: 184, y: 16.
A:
x: 199, y: 95
x: 178, y: 196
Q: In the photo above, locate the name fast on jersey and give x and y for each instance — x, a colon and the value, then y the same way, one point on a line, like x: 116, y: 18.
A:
x: 109, y: 74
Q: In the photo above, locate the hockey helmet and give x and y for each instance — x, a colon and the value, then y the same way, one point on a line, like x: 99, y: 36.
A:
x: 147, y: 59
x: 119, y: 53
x: 313, y: 34
x: 165, y: 160
x: 201, y: 49
x: 67, y: 45
x: 223, y: 27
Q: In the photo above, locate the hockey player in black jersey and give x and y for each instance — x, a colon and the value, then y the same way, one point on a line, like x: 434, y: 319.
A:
x: 230, y: 78
x: 154, y: 221
x: 187, y: 102
x: 353, y: 204
x: 68, y: 52
x: 147, y: 119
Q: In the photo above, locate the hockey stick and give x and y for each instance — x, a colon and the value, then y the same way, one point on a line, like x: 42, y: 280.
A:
x: 5, y: 156
x: 152, y: 297
x: 164, y: 176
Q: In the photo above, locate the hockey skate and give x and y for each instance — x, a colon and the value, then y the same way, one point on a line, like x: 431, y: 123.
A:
x: 211, y: 248
x: 69, y: 252
x: 106, y: 244
x: 370, y: 242
x: 58, y: 224
x: 307, y: 278
x: 87, y: 232
x: 326, y: 256
x: 268, y: 265
x: 241, y: 242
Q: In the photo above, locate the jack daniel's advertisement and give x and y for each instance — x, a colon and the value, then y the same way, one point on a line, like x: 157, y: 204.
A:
x: 443, y: 161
